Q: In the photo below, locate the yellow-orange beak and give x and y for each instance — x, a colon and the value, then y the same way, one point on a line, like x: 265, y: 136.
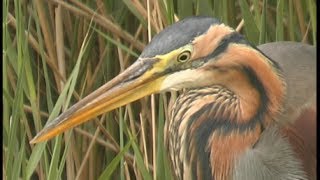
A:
x: 139, y: 80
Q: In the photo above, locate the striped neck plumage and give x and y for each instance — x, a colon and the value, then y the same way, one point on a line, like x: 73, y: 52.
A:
x: 223, y: 120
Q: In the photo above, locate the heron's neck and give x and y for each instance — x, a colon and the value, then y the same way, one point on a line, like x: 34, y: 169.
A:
x: 258, y: 89
x: 226, y: 149
x: 252, y: 70
x: 219, y: 126
x: 210, y: 130
x: 211, y: 127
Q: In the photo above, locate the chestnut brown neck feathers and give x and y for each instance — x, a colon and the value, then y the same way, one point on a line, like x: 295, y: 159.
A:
x: 218, y: 123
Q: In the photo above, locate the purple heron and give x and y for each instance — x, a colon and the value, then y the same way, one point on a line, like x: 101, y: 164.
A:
x: 245, y: 112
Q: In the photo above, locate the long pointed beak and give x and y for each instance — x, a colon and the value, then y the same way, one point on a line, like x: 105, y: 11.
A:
x: 134, y: 83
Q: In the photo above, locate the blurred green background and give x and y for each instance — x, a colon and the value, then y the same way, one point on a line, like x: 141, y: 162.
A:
x: 56, y: 52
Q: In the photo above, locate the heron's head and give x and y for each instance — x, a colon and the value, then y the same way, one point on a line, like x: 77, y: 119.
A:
x: 192, y: 53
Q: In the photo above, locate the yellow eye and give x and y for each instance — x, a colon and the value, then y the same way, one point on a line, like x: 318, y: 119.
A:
x: 184, y: 56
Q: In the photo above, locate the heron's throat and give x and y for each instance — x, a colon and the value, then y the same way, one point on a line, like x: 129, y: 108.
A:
x: 211, y: 127
x: 206, y: 127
